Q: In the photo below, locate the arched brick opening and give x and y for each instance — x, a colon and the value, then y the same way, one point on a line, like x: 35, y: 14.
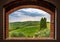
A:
x: 16, y: 7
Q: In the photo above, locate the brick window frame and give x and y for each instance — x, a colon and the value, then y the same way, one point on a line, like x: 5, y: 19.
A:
x: 52, y: 26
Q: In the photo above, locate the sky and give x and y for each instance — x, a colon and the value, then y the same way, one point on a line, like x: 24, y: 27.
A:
x: 28, y: 14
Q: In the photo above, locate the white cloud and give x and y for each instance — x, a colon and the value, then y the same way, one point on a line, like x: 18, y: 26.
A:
x: 33, y: 10
x: 27, y: 18
x: 21, y: 18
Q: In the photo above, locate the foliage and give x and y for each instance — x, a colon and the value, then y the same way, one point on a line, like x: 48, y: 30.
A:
x: 16, y: 34
x: 43, y: 23
x: 43, y: 33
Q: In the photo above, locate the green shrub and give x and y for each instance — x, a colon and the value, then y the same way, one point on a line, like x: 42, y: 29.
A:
x: 36, y: 35
x: 43, y: 33
x: 21, y: 35
x: 17, y: 27
x: 13, y: 34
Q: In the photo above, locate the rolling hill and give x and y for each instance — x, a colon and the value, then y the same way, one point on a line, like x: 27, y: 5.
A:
x: 28, y: 29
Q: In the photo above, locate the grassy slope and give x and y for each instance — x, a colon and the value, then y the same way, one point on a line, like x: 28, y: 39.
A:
x: 28, y: 29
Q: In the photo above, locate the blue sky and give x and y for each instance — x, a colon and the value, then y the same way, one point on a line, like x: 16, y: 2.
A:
x: 28, y: 14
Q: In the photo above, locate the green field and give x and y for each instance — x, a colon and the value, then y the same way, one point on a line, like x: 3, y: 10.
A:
x: 28, y: 29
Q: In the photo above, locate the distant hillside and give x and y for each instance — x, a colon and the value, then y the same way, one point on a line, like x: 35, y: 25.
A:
x: 15, y: 25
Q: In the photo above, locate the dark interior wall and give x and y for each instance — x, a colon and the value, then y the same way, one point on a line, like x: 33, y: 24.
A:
x: 52, y: 1
x: 7, y: 1
x: 17, y: 3
x: 3, y: 2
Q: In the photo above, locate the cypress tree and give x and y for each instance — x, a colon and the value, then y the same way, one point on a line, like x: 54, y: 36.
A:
x: 43, y: 23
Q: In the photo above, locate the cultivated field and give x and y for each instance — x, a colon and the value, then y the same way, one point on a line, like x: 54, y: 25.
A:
x: 28, y: 29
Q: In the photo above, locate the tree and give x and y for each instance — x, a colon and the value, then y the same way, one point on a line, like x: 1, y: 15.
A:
x: 43, y: 23
x: 17, y: 27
